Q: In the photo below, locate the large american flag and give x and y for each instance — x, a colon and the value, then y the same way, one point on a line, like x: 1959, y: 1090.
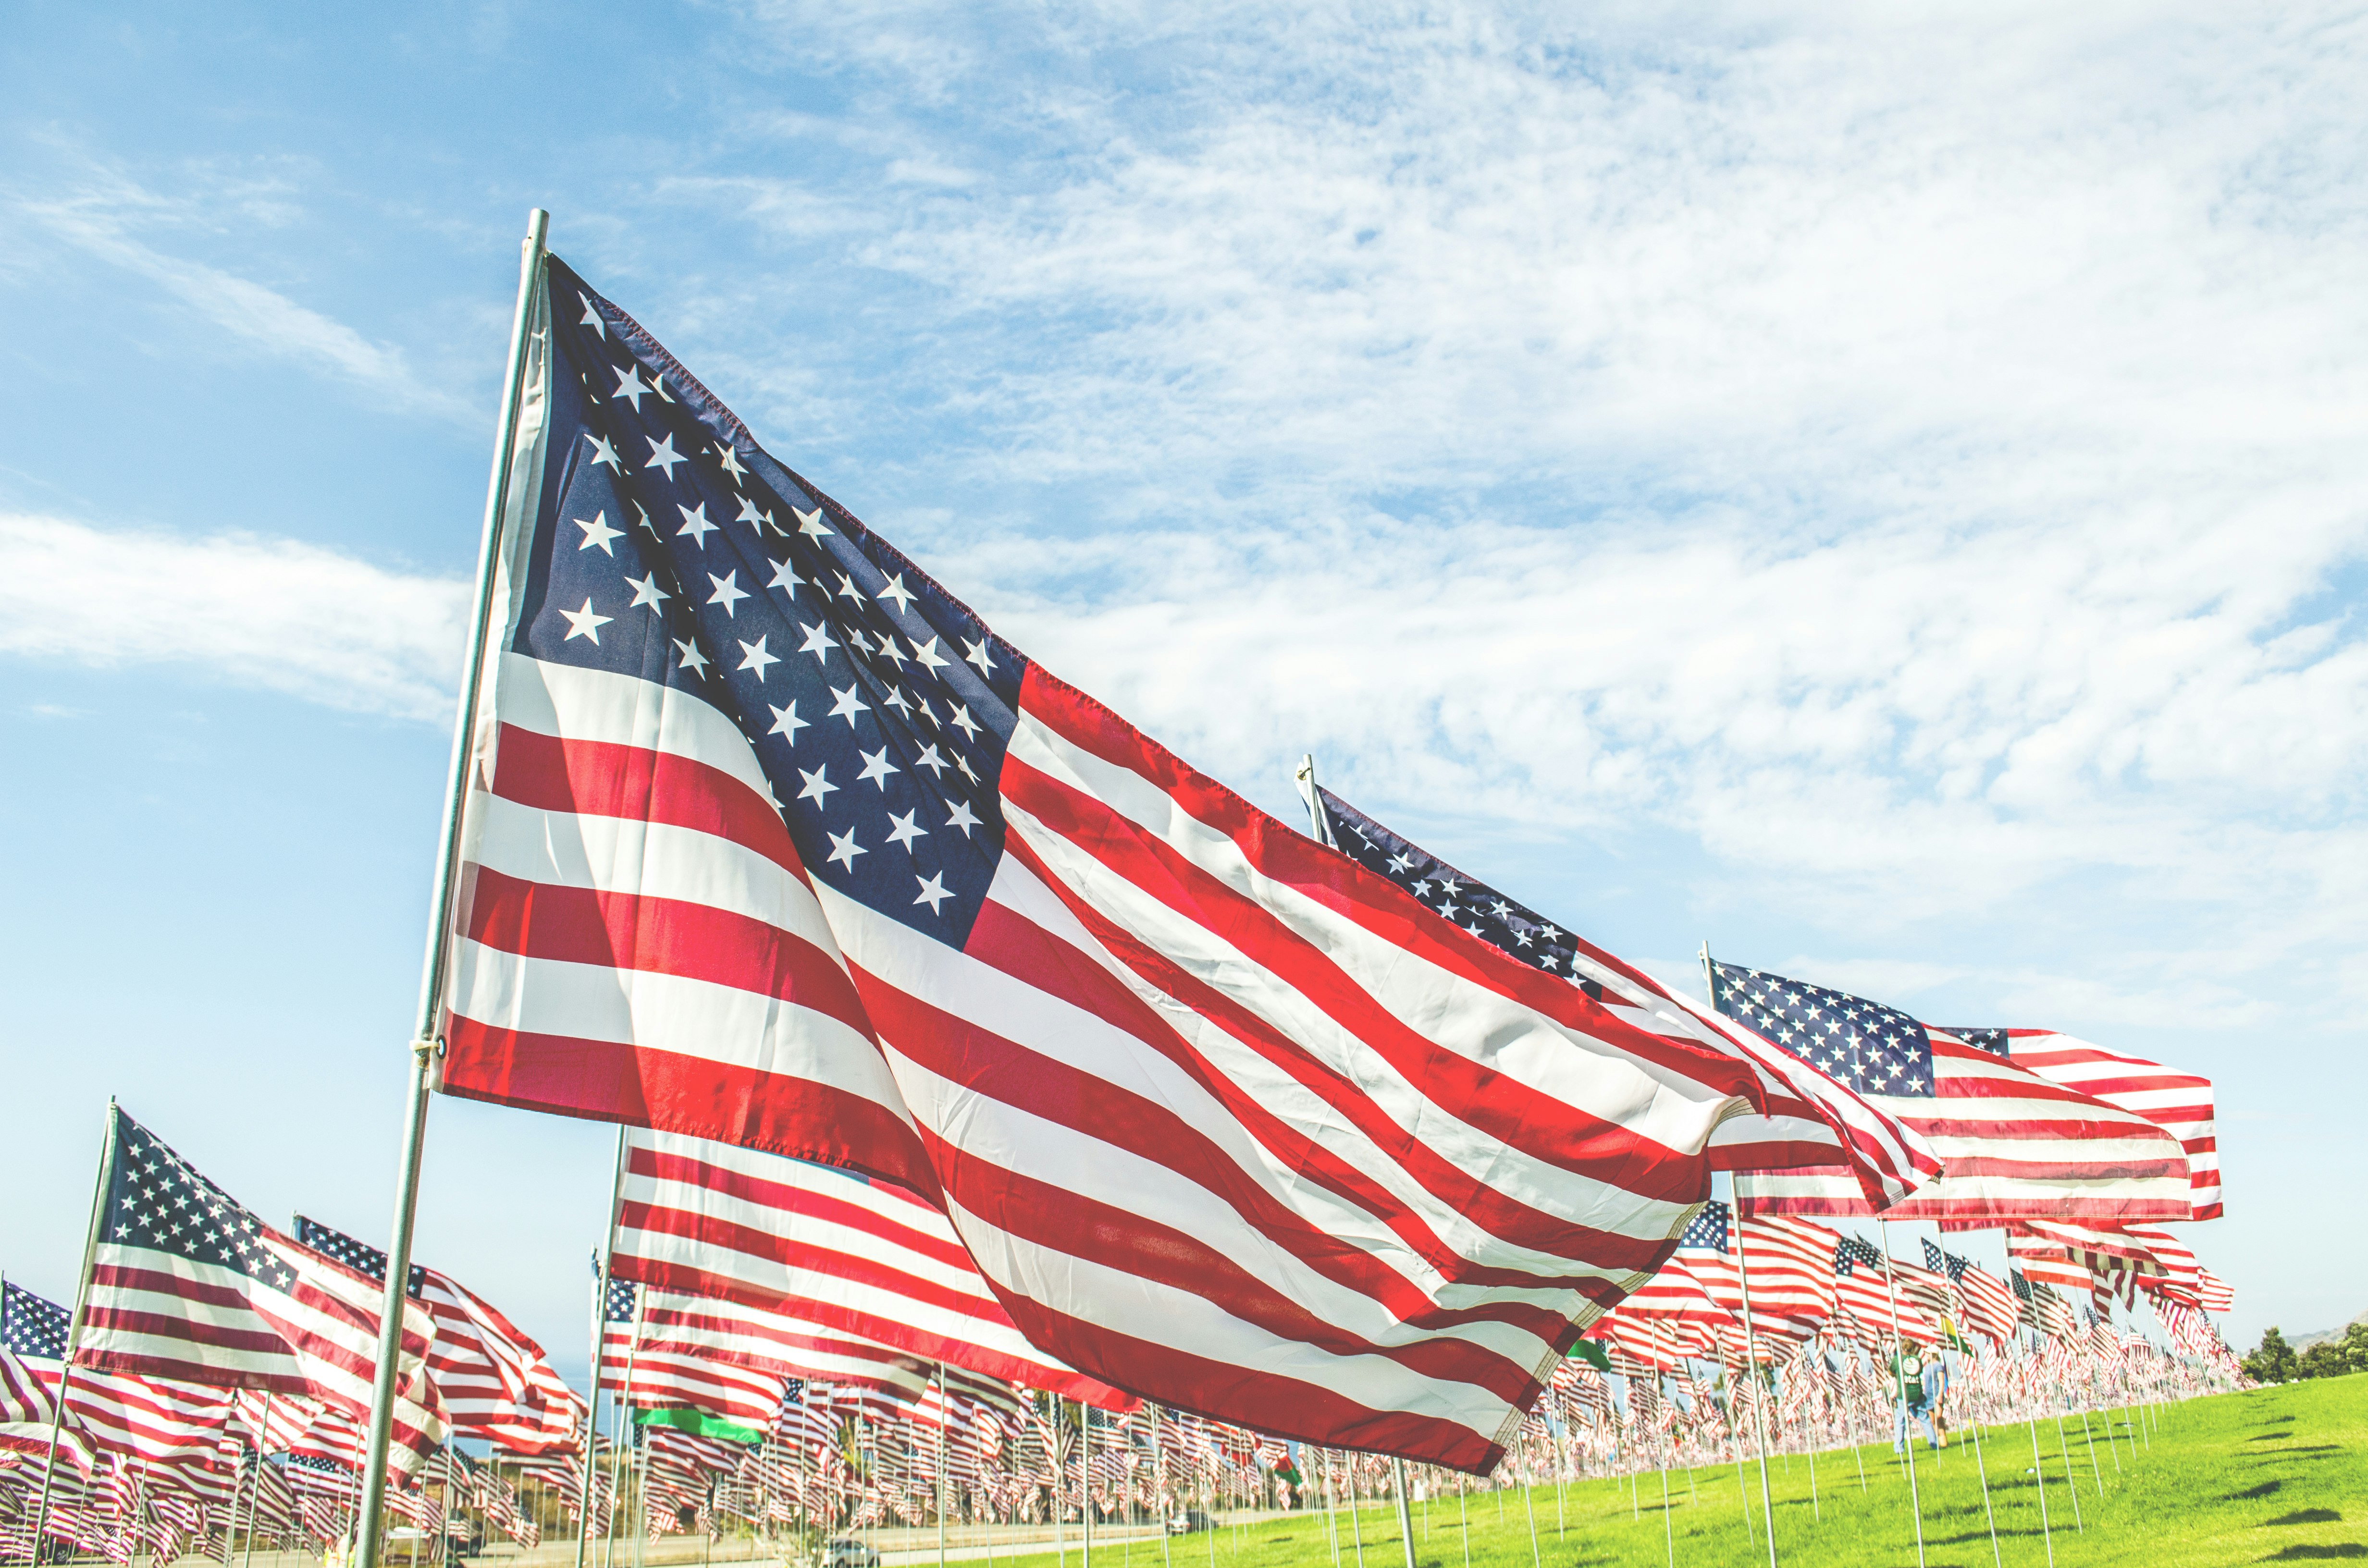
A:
x: 494, y: 1382
x: 2012, y: 1145
x: 1809, y: 1120
x: 32, y: 1352
x: 186, y: 1285
x: 771, y: 840
x: 801, y: 1257
x: 2180, y: 1103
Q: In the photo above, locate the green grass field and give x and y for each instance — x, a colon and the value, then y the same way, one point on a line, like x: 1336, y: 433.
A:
x: 2276, y: 1475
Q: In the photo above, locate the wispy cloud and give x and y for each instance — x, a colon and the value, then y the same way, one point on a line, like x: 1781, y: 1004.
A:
x: 106, y: 215
x: 258, y: 612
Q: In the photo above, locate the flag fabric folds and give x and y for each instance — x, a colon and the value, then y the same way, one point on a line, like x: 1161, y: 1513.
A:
x: 2012, y: 1145
x: 188, y: 1286
x: 494, y: 1382
x: 2180, y: 1103
x: 1808, y: 1119
x: 770, y: 840
x: 826, y: 1252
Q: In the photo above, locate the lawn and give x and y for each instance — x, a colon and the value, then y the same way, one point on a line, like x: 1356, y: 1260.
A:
x: 2278, y: 1474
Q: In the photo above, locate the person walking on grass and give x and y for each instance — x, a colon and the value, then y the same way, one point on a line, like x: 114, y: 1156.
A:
x: 1936, y: 1396
x: 1909, y: 1397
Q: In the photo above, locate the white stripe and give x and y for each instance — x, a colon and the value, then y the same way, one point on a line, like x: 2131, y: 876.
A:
x: 667, y: 1013
x: 578, y: 704
x: 1614, y: 1090
x: 1490, y: 1028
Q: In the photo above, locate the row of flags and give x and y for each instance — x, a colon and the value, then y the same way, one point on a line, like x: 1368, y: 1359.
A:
x: 772, y: 841
x: 975, y: 1049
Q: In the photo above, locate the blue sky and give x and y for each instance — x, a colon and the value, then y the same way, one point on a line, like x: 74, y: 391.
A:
x: 1876, y: 489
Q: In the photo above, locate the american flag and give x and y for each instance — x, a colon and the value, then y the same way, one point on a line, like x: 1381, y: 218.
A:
x: 494, y: 1382
x: 186, y: 1285
x: 2180, y: 1103
x: 1222, y: 1117
x: 1810, y: 1120
x: 2180, y: 1275
x: 2047, y: 1258
x: 811, y: 1256
x: 32, y: 1349
x: 1792, y: 1274
x: 2213, y: 1291
x: 1874, y: 1292
x: 2012, y: 1145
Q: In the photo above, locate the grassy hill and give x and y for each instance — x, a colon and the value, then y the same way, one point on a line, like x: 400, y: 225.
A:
x: 2278, y: 1474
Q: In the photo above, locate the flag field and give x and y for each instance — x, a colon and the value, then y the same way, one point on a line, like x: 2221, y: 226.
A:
x: 2273, y: 1474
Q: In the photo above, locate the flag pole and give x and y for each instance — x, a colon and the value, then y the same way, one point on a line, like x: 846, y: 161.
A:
x: 1899, y: 1387
x: 1750, y: 1344
x: 74, y: 1329
x: 425, y: 1043
x: 1397, y: 1465
x: 1319, y: 824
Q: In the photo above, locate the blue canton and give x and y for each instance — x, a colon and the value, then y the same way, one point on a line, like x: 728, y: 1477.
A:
x: 1708, y: 1233
x: 357, y: 1256
x: 33, y: 1325
x: 1479, y: 909
x: 1874, y: 1049
x: 1850, y: 1252
x: 668, y: 546
x: 156, y: 1199
x: 1991, y: 1041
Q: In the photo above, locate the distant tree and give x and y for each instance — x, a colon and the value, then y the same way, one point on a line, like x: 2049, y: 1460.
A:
x: 2355, y: 1347
x: 2273, y: 1360
x: 2324, y: 1359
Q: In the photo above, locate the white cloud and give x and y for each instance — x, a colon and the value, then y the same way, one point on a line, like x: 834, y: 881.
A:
x: 258, y: 612
x: 103, y: 214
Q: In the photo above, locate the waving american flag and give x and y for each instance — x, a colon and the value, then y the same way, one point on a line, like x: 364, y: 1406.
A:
x: 771, y: 840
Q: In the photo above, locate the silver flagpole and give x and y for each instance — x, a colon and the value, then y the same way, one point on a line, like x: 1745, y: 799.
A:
x: 74, y: 1329
x: 423, y: 1041
x: 1899, y: 1387
x: 600, y: 1346
x: 1319, y: 824
x: 1751, y: 1343
x: 1397, y: 1465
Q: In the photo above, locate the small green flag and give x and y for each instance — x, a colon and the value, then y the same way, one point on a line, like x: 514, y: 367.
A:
x: 1593, y: 1354
x: 704, y: 1426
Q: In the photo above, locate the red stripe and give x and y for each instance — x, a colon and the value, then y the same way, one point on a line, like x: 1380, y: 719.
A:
x: 1269, y: 1402
x: 1021, y: 948
x: 1073, y: 1224
x: 1501, y: 1105
x: 1332, y: 878
x: 200, y: 1373
x: 719, y: 1234
x: 603, y: 779
x: 794, y: 1200
x: 966, y: 1054
x: 657, y: 936
x: 606, y: 1081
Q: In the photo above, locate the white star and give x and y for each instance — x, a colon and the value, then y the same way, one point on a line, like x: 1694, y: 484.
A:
x: 731, y: 461
x: 964, y: 722
x: 1500, y: 908
x: 602, y: 452
x: 1401, y: 863
x: 962, y: 818
x: 695, y: 524
x: 692, y: 659
x: 645, y: 522
x: 976, y: 653
x: 1522, y: 937
x: 896, y: 699
x: 933, y: 892
x: 848, y: 590
x: 787, y: 722
x: 647, y: 591
x: 810, y: 523
x: 592, y: 318
x: 632, y: 388
x: 903, y: 829
x: 755, y: 658
x: 1450, y: 886
x: 931, y: 760
x: 816, y: 785
x: 785, y: 577
x: 877, y: 767
x: 817, y: 641
x: 728, y: 592
x: 847, y: 707
x: 597, y: 531
x: 889, y: 650
x: 662, y: 455
x: 584, y: 623
x: 895, y: 589
x: 930, y: 659
x: 751, y: 516
x: 844, y: 849
x: 1550, y: 934
x: 963, y: 763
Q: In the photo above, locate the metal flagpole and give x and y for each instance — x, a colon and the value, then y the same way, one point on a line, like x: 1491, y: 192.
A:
x: 1085, y: 1483
x: 1320, y: 825
x: 600, y: 1346
x: 945, y: 1417
x: 74, y: 1329
x: 424, y: 1040
x: 1899, y: 1387
x: 1406, y: 1517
